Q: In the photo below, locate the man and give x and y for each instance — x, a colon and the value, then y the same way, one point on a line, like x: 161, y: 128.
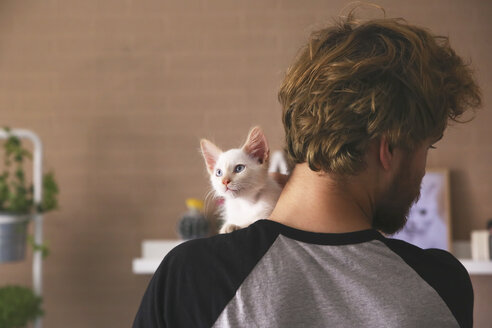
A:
x: 362, y: 104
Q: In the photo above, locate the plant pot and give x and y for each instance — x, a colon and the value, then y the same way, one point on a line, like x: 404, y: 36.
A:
x: 13, y: 232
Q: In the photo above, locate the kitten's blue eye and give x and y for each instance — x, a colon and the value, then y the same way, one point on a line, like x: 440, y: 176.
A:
x: 218, y: 173
x: 239, y: 168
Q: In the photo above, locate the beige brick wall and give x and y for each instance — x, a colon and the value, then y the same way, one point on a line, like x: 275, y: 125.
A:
x: 121, y: 92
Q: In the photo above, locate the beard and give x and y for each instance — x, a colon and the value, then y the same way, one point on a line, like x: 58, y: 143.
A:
x: 391, y: 214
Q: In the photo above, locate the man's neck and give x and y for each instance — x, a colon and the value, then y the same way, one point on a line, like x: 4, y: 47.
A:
x: 316, y: 202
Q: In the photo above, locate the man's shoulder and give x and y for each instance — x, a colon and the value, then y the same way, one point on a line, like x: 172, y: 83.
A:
x: 432, y: 258
x: 237, y: 251
x: 197, y: 278
x: 447, y: 261
x: 443, y: 272
x: 199, y: 247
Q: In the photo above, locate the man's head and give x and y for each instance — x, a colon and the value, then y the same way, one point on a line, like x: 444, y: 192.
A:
x: 382, y: 82
x: 358, y: 81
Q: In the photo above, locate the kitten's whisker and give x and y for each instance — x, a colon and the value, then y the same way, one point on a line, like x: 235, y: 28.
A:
x: 208, y: 198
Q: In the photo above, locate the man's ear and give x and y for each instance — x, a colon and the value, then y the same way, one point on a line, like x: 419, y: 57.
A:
x: 385, y: 153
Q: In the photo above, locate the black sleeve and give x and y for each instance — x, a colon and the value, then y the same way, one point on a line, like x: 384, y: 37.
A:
x: 458, y: 293
x: 197, y: 279
x: 150, y: 312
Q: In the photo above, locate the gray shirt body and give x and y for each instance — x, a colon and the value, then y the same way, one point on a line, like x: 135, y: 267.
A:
x: 271, y: 275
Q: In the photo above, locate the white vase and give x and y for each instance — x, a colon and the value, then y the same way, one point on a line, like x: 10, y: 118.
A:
x: 13, y: 232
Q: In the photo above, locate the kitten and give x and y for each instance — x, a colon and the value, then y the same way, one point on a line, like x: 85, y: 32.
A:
x: 241, y: 177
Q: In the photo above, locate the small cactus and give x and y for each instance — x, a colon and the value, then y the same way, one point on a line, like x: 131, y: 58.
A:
x: 193, y: 224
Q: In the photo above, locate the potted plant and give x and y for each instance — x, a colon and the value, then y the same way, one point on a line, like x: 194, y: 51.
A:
x: 17, y: 202
x: 18, y: 306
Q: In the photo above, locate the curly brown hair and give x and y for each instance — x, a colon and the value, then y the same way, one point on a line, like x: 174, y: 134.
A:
x: 356, y: 81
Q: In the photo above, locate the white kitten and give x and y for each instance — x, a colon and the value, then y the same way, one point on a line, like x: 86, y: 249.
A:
x: 241, y: 177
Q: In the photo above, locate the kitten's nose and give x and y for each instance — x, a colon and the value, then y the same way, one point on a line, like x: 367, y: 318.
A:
x: 226, y: 181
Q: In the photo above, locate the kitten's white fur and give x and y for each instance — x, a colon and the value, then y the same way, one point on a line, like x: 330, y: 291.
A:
x: 249, y: 195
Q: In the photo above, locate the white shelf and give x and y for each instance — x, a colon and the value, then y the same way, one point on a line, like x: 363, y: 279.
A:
x: 153, y: 251
x: 145, y: 266
x: 477, y: 267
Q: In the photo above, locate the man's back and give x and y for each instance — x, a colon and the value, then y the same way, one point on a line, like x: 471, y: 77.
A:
x: 272, y: 275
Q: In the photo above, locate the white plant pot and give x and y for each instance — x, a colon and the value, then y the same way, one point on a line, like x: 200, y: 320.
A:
x: 13, y: 232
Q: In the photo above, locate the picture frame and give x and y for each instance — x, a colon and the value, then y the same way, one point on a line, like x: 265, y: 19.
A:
x: 429, y: 219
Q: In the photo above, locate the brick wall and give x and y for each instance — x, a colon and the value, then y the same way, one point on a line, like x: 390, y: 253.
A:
x: 121, y: 92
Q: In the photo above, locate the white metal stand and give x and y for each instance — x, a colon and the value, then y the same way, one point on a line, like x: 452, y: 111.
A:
x: 37, y: 263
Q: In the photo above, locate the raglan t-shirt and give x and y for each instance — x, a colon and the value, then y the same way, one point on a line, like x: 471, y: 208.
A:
x: 272, y: 275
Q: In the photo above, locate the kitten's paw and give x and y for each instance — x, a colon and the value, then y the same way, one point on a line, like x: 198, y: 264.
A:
x: 226, y: 228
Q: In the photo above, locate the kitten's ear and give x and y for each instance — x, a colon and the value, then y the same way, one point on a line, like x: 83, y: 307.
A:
x: 256, y: 145
x: 210, y: 153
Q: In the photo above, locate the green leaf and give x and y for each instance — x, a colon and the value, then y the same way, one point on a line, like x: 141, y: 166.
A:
x: 50, y: 192
x: 15, y: 194
x: 18, y: 306
x: 12, y: 145
x: 44, y: 248
x: 19, y: 173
